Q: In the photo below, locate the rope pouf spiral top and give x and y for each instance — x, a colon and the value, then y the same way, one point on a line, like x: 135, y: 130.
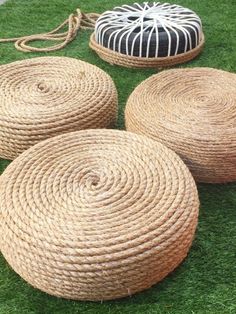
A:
x: 96, y: 214
x: 148, y: 35
x: 47, y: 96
x: 193, y: 112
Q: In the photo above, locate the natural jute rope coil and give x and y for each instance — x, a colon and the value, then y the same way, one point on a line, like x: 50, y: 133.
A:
x: 44, y: 97
x: 96, y: 214
x: 193, y: 112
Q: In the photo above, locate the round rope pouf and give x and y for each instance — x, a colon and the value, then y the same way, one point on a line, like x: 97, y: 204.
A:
x: 193, y: 112
x: 96, y: 214
x: 150, y: 34
x: 44, y: 97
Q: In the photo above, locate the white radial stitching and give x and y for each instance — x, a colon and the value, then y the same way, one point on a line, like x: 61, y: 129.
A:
x: 146, y: 17
x: 149, y: 41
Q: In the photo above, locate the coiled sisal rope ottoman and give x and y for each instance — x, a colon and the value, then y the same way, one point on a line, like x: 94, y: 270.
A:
x: 193, y: 112
x: 149, y: 34
x: 44, y: 97
x: 96, y: 214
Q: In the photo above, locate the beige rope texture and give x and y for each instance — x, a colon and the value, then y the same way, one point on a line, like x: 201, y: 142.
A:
x: 96, y: 214
x: 193, y: 112
x: 47, y: 96
x: 75, y: 22
x: 117, y: 58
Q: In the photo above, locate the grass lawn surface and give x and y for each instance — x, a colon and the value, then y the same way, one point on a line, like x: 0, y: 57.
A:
x: 206, y: 281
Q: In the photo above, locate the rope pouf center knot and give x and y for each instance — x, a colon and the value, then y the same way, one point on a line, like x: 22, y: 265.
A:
x: 43, y: 87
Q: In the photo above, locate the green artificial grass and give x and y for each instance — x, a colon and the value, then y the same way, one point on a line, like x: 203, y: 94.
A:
x: 206, y: 281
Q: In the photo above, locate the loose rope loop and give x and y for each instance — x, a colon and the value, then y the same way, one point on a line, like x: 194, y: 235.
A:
x: 75, y: 22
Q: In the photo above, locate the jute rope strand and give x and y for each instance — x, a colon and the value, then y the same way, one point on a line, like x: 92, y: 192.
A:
x: 75, y: 22
x: 117, y: 58
x: 96, y: 214
x: 47, y: 96
x: 193, y: 112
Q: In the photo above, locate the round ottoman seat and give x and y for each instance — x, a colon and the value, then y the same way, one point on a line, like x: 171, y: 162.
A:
x: 148, y: 34
x: 96, y: 214
x: 192, y: 111
x: 47, y: 96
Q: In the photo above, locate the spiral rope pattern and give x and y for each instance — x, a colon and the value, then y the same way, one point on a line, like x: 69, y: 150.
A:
x: 193, y: 112
x: 47, y: 96
x: 96, y: 214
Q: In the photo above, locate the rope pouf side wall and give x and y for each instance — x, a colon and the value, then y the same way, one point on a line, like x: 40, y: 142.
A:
x: 192, y: 111
x: 96, y: 214
x: 117, y: 58
x: 47, y: 96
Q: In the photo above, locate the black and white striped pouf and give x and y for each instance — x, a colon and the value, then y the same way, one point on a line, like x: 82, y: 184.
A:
x: 148, y: 35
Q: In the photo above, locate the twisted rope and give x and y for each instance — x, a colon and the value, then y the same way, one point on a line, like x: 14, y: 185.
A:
x: 96, y: 214
x: 47, y: 96
x: 74, y: 22
x: 193, y: 112
x: 114, y: 57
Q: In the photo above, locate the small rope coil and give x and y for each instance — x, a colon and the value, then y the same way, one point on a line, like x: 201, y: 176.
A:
x: 75, y: 22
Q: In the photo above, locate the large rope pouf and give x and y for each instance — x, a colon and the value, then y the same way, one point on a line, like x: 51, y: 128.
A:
x: 149, y: 34
x: 96, y: 214
x: 193, y: 112
x: 44, y: 97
